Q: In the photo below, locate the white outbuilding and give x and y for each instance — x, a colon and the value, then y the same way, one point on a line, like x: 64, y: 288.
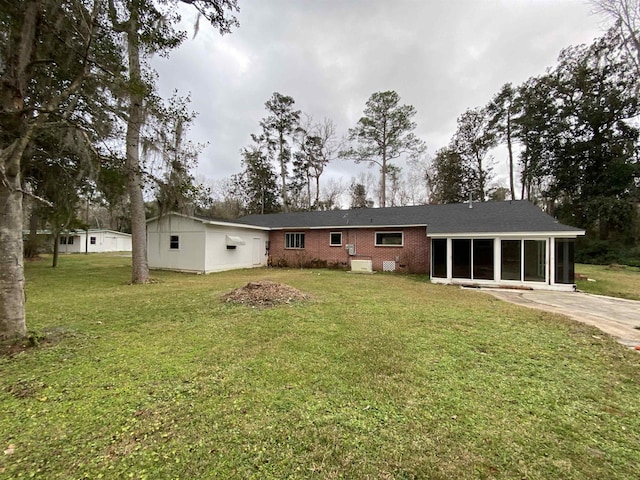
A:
x: 94, y: 241
x: 192, y: 244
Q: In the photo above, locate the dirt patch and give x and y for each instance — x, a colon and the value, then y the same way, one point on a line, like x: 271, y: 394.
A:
x: 265, y: 294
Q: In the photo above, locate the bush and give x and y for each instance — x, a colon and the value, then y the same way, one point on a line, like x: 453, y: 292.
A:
x: 599, y: 252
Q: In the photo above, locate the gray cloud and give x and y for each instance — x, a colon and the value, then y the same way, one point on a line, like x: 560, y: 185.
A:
x: 442, y: 57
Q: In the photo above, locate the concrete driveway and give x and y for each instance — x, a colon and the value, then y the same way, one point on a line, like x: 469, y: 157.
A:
x: 615, y: 316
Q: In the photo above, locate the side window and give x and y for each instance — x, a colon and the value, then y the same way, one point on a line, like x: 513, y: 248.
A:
x: 335, y: 239
x: 384, y: 239
x: 294, y: 240
x: 174, y: 242
x: 92, y: 240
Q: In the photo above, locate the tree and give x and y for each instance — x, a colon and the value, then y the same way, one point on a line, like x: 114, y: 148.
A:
x: 359, y: 196
x: 331, y: 192
x: 473, y: 140
x: 501, y: 112
x: 625, y: 15
x: 537, y: 129
x: 323, y: 149
x: 383, y: 134
x: 176, y: 188
x: 594, y: 167
x: 258, y: 182
x: 449, y: 177
x: 148, y: 29
x: 278, y: 129
x: 48, y: 51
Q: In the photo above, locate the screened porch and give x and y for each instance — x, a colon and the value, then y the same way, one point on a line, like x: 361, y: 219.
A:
x: 518, y: 261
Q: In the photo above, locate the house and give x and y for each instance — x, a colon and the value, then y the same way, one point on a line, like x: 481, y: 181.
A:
x: 510, y: 243
x: 81, y: 241
x: 194, y: 244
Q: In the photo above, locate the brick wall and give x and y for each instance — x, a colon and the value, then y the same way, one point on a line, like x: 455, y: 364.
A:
x: 412, y: 256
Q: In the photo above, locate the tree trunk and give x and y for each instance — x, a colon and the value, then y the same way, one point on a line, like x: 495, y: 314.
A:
x: 283, y: 175
x: 383, y: 181
x: 32, y: 245
x: 140, y: 267
x: 13, y: 83
x: 12, y: 312
x: 510, y: 150
x: 56, y: 249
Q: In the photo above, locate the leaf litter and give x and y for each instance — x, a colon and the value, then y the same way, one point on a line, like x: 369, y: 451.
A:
x: 265, y: 293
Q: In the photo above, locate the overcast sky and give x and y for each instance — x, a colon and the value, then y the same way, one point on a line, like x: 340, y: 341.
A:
x: 441, y: 56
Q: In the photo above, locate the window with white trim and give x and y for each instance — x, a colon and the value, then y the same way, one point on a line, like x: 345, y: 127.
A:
x: 335, y: 239
x: 294, y: 240
x: 92, y: 240
x: 174, y: 242
x: 389, y: 239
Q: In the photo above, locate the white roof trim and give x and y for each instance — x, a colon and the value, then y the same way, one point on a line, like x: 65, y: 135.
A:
x: 347, y: 227
x: 211, y: 222
x: 570, y: 234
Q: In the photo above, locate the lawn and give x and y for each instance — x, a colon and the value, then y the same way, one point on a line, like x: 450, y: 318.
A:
x: 611, y: 280
x: 377, y: 376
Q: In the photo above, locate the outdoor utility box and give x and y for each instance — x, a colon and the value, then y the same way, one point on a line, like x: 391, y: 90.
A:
x: 351, y: 249
x: 362, y: 266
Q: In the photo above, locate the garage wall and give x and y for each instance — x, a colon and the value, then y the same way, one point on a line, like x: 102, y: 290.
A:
x: 252, y: 254
x: 189, y: 256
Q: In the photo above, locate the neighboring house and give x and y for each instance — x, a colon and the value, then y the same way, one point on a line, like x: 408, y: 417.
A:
x: 94, y: 241
x: 193, y: 244
x: 509, y: 243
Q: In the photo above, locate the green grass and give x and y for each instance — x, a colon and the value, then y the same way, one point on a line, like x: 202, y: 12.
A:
x: 612, y: 280
x: 379, y: 376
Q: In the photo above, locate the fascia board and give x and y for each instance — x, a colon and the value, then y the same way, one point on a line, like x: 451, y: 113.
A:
x: 346, y: 227
x: 571, y: 234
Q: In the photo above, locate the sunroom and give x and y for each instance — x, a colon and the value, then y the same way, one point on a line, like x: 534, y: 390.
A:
x: 541, y: 260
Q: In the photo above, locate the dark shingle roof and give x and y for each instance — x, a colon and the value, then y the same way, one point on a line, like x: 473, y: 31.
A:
x: 484, y: 217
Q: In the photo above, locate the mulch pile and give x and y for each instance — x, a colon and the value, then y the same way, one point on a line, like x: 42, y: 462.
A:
x: 265, y: 294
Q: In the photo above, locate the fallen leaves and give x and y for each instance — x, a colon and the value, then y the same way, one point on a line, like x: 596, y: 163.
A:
x: 265, y: 294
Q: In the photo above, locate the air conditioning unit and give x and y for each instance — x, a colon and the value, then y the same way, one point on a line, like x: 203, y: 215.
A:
x: 361, y: 266
x: 351, y: 248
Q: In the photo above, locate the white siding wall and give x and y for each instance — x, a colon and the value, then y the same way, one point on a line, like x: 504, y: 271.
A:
x: 251, y: 254
x: 189, y: 257
x: 106, y: 241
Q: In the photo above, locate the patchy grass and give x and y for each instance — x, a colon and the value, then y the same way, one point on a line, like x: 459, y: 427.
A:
x: 611, y: 280
x: 378, y: 376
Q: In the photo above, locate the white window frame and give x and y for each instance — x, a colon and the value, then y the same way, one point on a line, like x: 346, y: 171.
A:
x: 291, y: 239
x: 331, y: 244
x: 401, y: 244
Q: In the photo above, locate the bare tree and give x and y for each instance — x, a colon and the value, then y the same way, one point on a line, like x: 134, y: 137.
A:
x: 625, y: 15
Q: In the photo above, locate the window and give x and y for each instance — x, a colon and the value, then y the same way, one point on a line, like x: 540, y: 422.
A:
x: 565, y: 268
x: 439, y: 257
x: 294, y: 240
x: 535, y: 261
x: 92, y: 240
x: 66, y: 240
x: 461, y: 258
x: 483, y: 259
x: 174, y: 242
x: 510, y: 260
x: 389, y: 239
x: 335, y: 239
